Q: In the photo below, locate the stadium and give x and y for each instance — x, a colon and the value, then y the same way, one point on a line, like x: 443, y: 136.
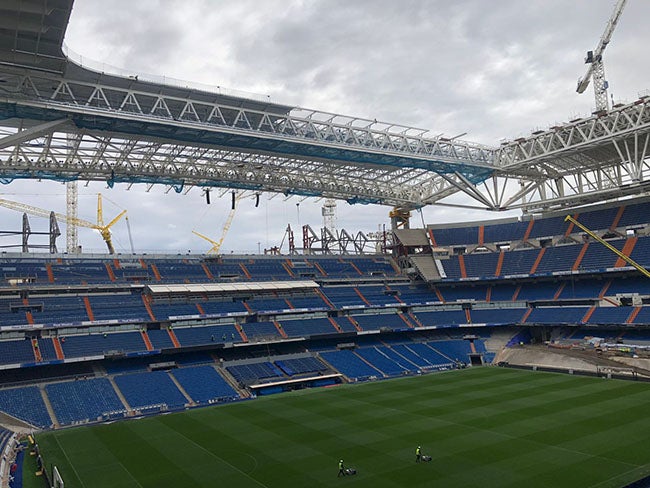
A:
x: 509, y: 352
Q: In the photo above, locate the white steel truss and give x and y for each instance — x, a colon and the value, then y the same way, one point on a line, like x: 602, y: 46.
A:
x: 60, y: 128
x: 602, y: 157
x: 327, y: 129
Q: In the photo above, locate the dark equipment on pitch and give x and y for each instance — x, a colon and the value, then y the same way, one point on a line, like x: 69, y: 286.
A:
x: 426, y: 458
x: 350, y: 471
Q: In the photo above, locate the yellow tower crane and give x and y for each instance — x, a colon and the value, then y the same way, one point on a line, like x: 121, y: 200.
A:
x: 627, y: 259
x: 104, y: 230
x: 216, y: 245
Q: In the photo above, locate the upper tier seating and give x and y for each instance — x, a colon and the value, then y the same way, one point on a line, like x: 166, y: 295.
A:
x: 16, y: 351
x: 344, y: 297
x: 565, y: 258
x: 46, y: 347
x: 98, y: 344
x: 118, y: 306
x: 610, y: 315
x: 557, y: 315
x: 307, y: 327
x: 261, y: 331
x: 393, y: 321
x: 97, y: 271
x: 442, y: 317
x: 59, y: 310
x: 539, y: 290
x: 311, y: 302
x: 481, y: 265
x: 596, y: 220
x: 411, y: 295
x: 462, y: 293
x: 497, y: 315
x: 162, y: 310
x: 160, y: 339
x: 206, y: 335
x: 631, y: 284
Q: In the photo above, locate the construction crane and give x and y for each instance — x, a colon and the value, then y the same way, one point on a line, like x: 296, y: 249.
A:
x: 627, y: 259
x: 104, y: 230
x: 216, y: 245
x: 594, y: 59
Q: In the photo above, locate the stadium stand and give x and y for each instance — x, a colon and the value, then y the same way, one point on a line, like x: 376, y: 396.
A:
x: 205, y: 335
x: 296, y: 366
x: 307, y: 327
x: 204, y: 384
x: 101, y: 344
x: 84, y: 400
x: 351, y: 365
x: 16, y: 351
x: 150, y: 390
x: 381, y: 361
x: 254, y: 372
x: 103, y: 338
x: 25, y: 403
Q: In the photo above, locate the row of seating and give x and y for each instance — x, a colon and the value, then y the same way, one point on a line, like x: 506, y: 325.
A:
x: 402, y: 358
x: 597, y: 220
x: 189, y: 269
x: 29, y: 351
x: 129, y: 307
x: 94, y: 399
x: 261, y: 371
x: 587, y: 257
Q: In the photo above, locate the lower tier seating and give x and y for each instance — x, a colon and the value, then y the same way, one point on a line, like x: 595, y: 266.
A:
x: 147, y: 390
x: 204, y: 384
x: 25, y: 403
x: 83, y: 400
x: 252, y: 372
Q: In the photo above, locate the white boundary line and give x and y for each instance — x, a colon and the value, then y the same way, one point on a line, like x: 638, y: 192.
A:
x: 221, y: 459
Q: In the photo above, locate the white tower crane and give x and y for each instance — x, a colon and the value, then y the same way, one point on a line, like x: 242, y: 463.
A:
x: 594, y: 59
x: 72, y: 205
x: 329, y: 214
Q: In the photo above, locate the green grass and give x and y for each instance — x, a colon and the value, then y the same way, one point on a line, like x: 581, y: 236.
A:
x: 484, y: 427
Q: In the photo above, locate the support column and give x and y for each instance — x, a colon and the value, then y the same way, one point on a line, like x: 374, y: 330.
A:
x: 72, y: 202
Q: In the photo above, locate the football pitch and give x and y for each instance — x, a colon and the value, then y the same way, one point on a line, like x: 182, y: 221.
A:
x: 483, y: 427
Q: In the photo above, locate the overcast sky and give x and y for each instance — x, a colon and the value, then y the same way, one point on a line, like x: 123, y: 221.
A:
x: 491, y: 68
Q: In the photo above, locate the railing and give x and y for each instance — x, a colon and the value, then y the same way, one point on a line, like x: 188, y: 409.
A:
x: 100, y: 67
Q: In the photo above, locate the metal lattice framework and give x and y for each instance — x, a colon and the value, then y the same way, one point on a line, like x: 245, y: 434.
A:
x: 129, y: 135
x: 598, y: 158
x: 61, y: 121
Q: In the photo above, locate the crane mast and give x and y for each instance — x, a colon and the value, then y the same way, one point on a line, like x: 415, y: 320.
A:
x: 594, y: 59
x: 216, y: 245
x: 72, y: 205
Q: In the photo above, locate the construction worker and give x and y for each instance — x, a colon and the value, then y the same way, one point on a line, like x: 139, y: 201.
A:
x: 418, y: 454
x: 341, y: 468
